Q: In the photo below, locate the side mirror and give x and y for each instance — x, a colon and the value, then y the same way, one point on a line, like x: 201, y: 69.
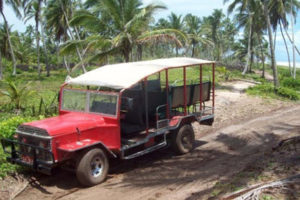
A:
x: 126, y: 104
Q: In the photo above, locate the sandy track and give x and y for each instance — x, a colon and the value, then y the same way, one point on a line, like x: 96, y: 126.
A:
x: 221, y: 152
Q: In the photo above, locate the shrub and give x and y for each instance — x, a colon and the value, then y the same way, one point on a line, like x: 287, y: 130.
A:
x: 5, y: 167
x: 9, y: 126
x: 17, y: 95
x: 291, y: 83
x: 7, y: 130
x: 267, y: 90
x: 261, y: 90
x: 224, y: 73
x: 287, y: 93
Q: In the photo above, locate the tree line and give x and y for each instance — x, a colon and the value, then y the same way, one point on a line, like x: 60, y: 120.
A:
x: 76, y: 34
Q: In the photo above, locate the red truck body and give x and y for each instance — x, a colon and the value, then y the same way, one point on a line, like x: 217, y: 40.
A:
x: 125, y: 122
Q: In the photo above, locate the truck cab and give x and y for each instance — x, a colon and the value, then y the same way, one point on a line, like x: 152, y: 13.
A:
x: 118, y: 111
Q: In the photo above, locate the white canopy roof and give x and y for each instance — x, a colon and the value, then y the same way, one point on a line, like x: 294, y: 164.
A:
x: 124, y: 75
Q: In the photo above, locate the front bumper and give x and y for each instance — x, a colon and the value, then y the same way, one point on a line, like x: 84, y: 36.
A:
x: 29, y: 158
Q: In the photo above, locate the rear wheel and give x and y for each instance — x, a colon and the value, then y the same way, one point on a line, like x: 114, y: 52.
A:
x: 183, y: 140
x: 92, y: 167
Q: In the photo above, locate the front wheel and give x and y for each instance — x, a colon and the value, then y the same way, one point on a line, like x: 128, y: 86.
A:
x: 92, y: 167
x: 183, y: 140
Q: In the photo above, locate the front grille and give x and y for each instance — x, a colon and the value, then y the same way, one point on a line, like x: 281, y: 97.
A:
x: 36, y: 137
x: 32, y: 130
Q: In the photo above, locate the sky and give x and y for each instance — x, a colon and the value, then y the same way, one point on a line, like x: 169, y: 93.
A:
x: 200, y: 8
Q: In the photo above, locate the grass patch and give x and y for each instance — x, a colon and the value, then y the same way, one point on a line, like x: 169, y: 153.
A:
x: 289, y: 88
x: 267, y: 90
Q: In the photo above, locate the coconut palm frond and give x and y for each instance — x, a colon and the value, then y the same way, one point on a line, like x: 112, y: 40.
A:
x: 97, y: 57
x: 170, y: 34
x: 70, y: 46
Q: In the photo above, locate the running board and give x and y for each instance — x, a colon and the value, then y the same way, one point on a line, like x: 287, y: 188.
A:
x: 140, y: 153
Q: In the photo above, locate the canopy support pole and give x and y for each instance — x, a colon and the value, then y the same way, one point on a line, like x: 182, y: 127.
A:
x: 146, y: 105
x: 167, y: 93
x: 213, y: 88
x: 201, y: 88
x: 184, y: 90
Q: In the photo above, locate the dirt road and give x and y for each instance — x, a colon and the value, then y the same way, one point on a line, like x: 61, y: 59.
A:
x: 237, y: 140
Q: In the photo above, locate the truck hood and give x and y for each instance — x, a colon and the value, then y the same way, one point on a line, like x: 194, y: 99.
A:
x: 68, y: 123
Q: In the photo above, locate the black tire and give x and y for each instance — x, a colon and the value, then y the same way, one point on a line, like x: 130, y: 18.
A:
x: 183, y: 141
x: 92, y: 167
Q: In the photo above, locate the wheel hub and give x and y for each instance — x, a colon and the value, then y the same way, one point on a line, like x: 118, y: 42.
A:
x: 96, y: 167
x: 186, y: 141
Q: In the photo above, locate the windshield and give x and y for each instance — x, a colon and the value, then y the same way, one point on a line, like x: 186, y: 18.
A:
x: 89, y: 101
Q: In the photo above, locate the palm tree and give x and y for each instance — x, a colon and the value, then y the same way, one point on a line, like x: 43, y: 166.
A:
x: 263, y: 47
x: 58, y: 15
x: 4, y: 46
x: 32, y: 9
x: 15, y: 4
x: 115, y: 26
x: 67, y: 9
x: 278, y: 15
x: 195, y: 32
x: 176, y: 23
x: 265, y: 7
x: 1, y: 67
x: 214, y: 23
x: 251, y: 18
x: 272, y: 51
x: 23, y: 47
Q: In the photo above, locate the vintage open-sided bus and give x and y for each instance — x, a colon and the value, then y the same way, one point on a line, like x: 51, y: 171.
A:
x: 121, y: 111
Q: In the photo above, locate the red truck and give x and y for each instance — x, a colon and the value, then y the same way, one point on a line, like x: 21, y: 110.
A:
x: 117, y: 111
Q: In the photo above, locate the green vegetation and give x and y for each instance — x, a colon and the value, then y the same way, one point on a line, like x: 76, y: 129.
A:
x: 289, y: 89
x: 7, y: 130
x: 70, y: 35
x: 40, y: 101
x: 17, y: 96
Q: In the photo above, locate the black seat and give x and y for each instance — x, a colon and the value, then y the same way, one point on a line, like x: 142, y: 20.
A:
x: 177, y: 96
x: 206, y: 87
x: 134, y: 120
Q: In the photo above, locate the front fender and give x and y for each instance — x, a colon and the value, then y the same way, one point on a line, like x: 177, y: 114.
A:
x: 84, y: 144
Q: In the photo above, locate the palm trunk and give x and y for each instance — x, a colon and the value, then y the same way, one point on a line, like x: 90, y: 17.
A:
x: 291, y: 41
x: 275, y: 38
x: 273, y: 59
x: 263, y: 60
x: 139, y: 52
x: 126, y: 55
x: 264, y: 66
x: 251, y: 61
x: 45, y: 51
x: 252, y: 54
x: 193, y: 50
x: 10, y: 45
x: 37, y: 20
x: 66, y: 65
x: 72, y: 36
x: 249, y: 48
x: 1, y: 67
x: 294, y: 54
x: 38, y: 47
x: 286, y: 47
